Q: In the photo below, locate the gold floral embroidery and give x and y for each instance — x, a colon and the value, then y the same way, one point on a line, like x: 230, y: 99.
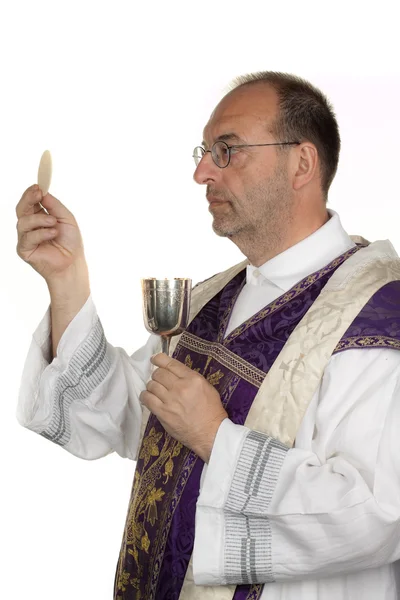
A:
x: 377, y: 341
x: 123, y: 581
x: 209, y: 359
x: 214, y: 378
x: 224, y: 357
x: 144, y: 499
x: 177, y: 449
x: 150, y: 447
x: 135, y: 554
x: 154, y: 497
x: 136, y: 482
x: 145, y: 542
x: 189, y: 363
x: 135, y: 582
x: 169, y: 465
x: 159, y: 454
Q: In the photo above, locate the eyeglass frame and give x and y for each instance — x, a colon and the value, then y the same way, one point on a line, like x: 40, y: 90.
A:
x: 235, y: 146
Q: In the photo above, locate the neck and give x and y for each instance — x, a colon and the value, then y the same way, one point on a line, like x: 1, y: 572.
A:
x: 259, y: 251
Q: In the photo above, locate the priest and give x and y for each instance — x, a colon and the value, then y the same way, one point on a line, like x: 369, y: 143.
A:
x: 267, y: 445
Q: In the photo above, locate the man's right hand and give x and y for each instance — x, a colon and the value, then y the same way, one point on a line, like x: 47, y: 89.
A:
x: 52, y: 245
x: 49, y: 243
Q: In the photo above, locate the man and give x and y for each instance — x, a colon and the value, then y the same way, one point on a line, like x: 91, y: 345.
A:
x: 267, y: 448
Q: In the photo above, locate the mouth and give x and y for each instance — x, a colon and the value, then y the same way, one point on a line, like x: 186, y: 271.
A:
x: 214, y: 201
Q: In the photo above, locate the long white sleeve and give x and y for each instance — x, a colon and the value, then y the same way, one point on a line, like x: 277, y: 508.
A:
x: 328, y: 506
x: 87, y: 398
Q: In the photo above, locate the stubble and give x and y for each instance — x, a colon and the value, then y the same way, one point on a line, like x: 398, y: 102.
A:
x: 259, y: 222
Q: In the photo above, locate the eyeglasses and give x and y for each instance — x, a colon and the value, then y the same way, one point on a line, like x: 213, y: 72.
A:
x: 221, y: 152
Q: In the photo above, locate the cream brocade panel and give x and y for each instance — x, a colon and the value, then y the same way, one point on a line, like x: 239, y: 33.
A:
x: 283, y: 398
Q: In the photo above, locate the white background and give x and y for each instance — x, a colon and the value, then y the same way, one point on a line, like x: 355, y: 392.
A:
x: 119, y: 93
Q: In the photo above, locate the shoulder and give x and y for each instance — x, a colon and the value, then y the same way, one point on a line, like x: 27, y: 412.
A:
x: 378, y: 323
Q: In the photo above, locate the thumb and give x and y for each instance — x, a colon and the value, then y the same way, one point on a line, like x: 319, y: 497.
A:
x: 56, y: 208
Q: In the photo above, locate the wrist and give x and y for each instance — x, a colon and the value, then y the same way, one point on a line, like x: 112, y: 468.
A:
x: 69, y: 292
x: 205, y: 447
x: 71, y: 283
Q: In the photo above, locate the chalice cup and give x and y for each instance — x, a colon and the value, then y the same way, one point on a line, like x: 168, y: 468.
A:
x: 166, y: 306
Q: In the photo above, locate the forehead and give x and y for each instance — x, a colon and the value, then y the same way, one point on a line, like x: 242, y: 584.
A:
x: 244, y: 111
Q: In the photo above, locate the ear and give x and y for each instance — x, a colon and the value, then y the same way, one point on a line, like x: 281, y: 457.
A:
x: 306, y: 165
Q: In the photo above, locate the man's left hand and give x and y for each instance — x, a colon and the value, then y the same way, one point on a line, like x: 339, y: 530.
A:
x: 186, y: 404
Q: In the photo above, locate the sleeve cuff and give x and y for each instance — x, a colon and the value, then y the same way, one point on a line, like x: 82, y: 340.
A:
x: 39, y: 359
x: 208, y: 558
x: 248, y: 536
x: 232, y: 509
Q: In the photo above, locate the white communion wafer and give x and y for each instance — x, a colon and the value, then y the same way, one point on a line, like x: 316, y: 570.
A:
x: 44, y: 175
x: 44, y: 172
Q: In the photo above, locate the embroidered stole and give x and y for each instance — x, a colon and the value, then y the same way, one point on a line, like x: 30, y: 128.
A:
x: 266, y: 372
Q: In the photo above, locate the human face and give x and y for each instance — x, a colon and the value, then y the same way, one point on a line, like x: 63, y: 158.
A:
x: 251, y: 198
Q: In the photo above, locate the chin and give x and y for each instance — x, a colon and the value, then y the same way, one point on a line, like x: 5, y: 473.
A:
x: 223, y: 231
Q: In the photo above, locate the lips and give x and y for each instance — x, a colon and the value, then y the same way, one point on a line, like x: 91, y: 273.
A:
x: 215, y: 200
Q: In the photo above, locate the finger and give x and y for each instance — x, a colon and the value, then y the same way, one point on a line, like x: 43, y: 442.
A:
x: 158, y: 390
x: 32, y: 239
x: 164, y: 377
x: 151, y: 402
x: 29, y: 201
x: 36, y: 221
x: 171, y: 364
x: 56, y: 208
x: 29, y: 204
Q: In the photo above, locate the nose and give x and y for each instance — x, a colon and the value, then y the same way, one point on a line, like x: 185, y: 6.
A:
x: 206, y: 170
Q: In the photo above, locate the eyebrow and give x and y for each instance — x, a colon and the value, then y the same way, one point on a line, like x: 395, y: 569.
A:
x: 224, y: 138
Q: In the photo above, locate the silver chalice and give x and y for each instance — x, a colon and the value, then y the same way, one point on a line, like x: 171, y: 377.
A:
x: 166, y: 306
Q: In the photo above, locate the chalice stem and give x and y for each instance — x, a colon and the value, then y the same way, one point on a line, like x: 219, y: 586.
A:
x: 165, y: 340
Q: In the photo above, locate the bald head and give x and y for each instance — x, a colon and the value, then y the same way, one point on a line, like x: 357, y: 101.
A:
x: 243, y: 110
x: 304, y: 113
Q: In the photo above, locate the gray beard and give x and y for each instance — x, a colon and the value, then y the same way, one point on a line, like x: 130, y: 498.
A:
x: 266, y: 230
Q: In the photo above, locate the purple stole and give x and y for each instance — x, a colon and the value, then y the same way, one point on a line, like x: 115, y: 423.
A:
x: 159, y: 532
x: 378, y: 324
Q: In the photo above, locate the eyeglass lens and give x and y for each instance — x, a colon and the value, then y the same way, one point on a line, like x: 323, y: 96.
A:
x: 198, y: 154
x: 219, y: 153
